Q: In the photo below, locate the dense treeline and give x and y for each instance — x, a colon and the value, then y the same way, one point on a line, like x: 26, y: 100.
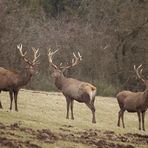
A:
x: 112, y: 36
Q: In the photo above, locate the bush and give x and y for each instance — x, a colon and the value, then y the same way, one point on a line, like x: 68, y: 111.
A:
x: 104, y: 89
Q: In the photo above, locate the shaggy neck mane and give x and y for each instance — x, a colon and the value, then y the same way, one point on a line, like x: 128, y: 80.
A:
x: 59, y: 81
x: 25, y: 76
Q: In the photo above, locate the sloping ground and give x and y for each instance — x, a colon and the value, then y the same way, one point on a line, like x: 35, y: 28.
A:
x: 10, y: 136
x: 41, y: 123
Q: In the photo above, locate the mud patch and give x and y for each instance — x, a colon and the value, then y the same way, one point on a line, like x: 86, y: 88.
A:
x: 2, y: 126
x: 13, y: 143
x: 10, y: 139
x: 100, y: 139
x: 47, y: 136
x: 137, y: 138
x: 92, y: 137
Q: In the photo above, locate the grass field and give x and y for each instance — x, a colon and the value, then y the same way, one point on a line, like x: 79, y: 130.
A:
x: 40, y: 122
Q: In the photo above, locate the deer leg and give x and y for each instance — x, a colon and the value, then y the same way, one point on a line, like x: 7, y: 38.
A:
x: 92, y: 108
x: 72, y: 116
x: 11, y: 99
x: 1, y: 104
x: 143, y: 114
x: 122, y: 117
x: 93, y: 112
x: 139, y: 118
x: 119, y: 116
x: 15, y: 99
x: 68, y: 101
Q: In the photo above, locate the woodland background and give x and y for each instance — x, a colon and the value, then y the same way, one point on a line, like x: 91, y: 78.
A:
x: 111, y: 35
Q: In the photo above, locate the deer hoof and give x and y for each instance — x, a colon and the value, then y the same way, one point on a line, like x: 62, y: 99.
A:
x: 93, y: 121
x: 1, y: 106
x: 72, y: 118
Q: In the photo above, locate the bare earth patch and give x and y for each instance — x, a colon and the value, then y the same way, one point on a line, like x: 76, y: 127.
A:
x: 91, y: 137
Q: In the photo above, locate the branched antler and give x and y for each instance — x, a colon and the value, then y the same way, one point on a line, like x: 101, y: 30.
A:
x: 75, y: 60
x: 23, y: 55
x: 139, y: 70
x: 50, y: 56
x: 36, y: 56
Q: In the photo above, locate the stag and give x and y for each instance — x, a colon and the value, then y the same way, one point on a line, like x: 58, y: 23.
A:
x: 71, y: 88
x: 12, y: 81
x: 134, y: 101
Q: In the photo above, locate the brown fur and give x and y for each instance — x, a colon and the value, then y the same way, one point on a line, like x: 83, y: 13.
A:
x: 71, y: 88
x: 133, y: 102
x: 12, y: 81
x: 77, y: 90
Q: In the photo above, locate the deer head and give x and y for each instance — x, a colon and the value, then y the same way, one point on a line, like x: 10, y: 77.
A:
x: 139, y: 71
x: 58, y: 70
x: 30, y: 64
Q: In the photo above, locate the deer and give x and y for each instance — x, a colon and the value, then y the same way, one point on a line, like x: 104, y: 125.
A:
x: 13, y: 80
x: 134, y: 101
x: 71, y: 88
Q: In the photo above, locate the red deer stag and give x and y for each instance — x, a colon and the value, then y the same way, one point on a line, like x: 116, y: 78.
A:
x: 134, y: 101
x: 71, y: 88
x: 12, y: 81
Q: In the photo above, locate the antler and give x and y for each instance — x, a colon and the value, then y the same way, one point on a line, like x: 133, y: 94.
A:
x: 23, y: 54
x: 139, y: 70
x: 50, y: 56
x: 75, y: 60
x: 36, y: 55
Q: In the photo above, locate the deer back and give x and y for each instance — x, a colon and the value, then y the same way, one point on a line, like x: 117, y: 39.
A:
x: 8, y: 78
x: 77, y: 89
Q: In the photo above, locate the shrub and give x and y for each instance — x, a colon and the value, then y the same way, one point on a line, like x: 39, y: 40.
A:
x: 104, y: 89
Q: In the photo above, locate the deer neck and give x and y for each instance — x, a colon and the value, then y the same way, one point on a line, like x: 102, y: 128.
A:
x: 145, y: 95
x: 59, y: 81
x: 25, y: 77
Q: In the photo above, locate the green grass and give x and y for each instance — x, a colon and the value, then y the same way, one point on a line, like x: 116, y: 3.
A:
x: 43, y: 110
